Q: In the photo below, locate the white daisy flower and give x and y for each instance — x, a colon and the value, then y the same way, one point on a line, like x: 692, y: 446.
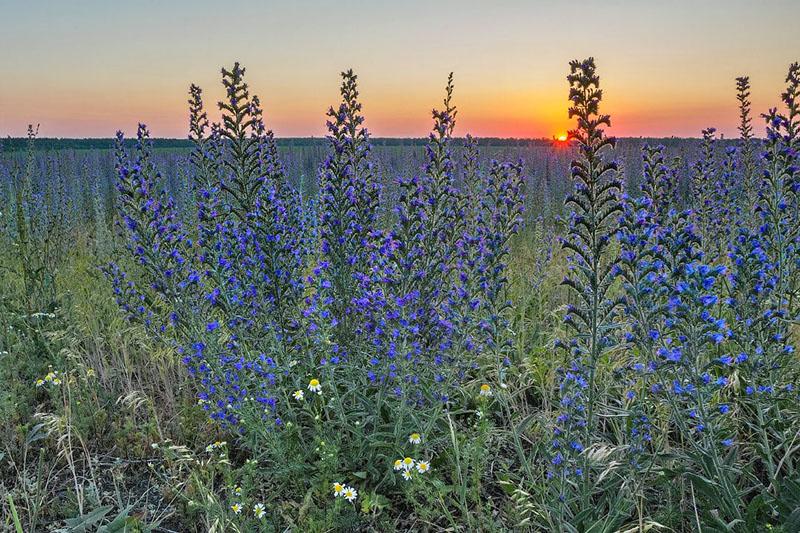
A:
x: 259, y: 511
x: 236, y: 508
x: 298, y: 395
x: 315, y: 386
x: 350, y: 494
x: 215, y: 446
x: 486, y: 390
x: 415, y: 438
x: 423, y: 466
x: 338, y: 489
x: 407, y: 475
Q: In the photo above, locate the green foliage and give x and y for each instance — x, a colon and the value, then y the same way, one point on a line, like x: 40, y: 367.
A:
x: 101, y: 429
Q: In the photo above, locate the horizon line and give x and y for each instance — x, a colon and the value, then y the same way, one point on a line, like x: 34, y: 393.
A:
x: 381, y: 137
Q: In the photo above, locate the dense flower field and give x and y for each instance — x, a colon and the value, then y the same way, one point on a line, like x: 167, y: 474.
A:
x: 584, y: 337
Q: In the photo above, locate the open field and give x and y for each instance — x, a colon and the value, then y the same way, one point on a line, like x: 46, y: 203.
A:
x: 238, y: 333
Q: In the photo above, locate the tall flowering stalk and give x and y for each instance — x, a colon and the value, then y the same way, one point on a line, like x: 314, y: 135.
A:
x: 40, y: 208
x: 435, y: 209
x: 465, y: 295
x: 22, y: 205
x: 702, y: 187
x: 243, y: 129
x: 440, y: 197
x: 660, y: 186
x: 156, y: 241
x: 250, y: 221
x: 779, y: 194
x: 716, y: 197
x: 206, y: 158
x: 593, y: 221
x: 421, y: 263
x: 642, y: 269
x: 748, y: 163
x: 500, y: 220
x: 348, y: 206
x: 725, y: 210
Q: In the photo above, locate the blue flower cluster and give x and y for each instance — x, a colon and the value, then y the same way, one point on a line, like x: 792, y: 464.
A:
x: 703, y: 325
x: 708, y: 300
x: 268, y: 291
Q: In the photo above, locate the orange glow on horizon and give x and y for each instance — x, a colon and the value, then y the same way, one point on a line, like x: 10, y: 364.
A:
x: 655, y: 84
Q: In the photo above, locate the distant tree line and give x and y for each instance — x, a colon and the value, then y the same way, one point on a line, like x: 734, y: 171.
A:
x: 12, y: 144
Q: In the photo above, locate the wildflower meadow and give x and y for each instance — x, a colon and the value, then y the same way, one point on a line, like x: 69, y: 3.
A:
x: 240, y: 332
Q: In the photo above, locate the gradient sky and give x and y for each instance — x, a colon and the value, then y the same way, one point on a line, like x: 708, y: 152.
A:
x: 87, y: 68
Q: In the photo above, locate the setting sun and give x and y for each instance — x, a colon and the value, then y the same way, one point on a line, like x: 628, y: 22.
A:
x: 562, y: 138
